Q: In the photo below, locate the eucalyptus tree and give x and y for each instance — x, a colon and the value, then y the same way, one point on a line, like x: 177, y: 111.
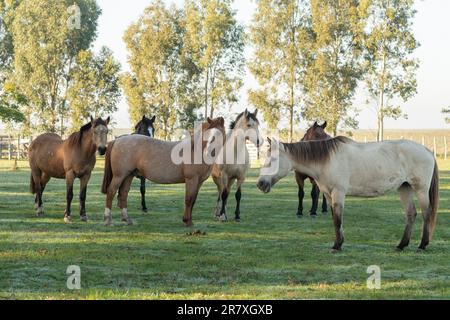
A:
x: 389, y: 62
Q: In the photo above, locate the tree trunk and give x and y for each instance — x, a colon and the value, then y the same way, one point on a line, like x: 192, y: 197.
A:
x: 206, y: 93
x: 291, y: 115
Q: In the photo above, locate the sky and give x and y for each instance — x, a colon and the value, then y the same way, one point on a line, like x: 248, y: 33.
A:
x: 431, y: 28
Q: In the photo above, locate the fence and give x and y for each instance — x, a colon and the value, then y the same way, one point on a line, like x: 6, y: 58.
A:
x: 435, y: 140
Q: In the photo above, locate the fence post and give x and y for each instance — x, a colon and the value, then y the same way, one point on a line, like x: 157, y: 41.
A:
x: 434, y: 147
x: 18, y: 148
x: 9, y: 148
x: 445, y: 148
x: 1, y: 148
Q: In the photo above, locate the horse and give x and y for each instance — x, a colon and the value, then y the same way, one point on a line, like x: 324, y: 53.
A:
x: 342, y: 167
x: 52, y: 157
x: 153, y: 159
x: 316, y: 132
x: 224, y: 174
x: 145, y: 127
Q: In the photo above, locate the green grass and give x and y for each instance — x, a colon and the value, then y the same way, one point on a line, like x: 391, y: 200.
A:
x: 270, y: 255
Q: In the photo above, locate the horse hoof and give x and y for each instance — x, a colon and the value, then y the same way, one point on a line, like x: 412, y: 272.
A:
x: 300, y: 216
x: 188, y: 224
x: 313, y: 216
x: 420, y: 250
x: 399, y: 249
x: 107, y: 223
x: 237, y: 220
x: 223, y: 218
x: 67, y: 219
x: 84, y: 218
x: 129, y: 222
x: 39, y: 215
x: 335, y: 251
x: 145, y: 210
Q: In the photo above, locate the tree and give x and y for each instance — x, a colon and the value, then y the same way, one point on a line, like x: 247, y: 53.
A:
x: 333, y: 76
x: 6, y: 42
x: 281, y: 35
x: 446, y: 111
x: 154, y: 43
x: 10, y: 103
x: 390, y: 68
x: 46, y: 45
x: 94, y: 88
x: 214, y: 43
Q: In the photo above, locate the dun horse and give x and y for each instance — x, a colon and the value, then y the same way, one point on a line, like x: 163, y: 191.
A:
x: 152, y: 159
x: 52, y: 157
x: 145, y: 127
x: 343, y: 167
x: 316, y: 132
x: 245, y: 127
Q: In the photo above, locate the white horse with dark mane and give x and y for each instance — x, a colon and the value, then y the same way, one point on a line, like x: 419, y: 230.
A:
x: 342, y: 167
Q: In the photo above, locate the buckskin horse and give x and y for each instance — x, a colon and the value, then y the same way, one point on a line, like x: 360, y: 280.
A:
x: 52, y: 157
x: 342, y: 167
x: 316, y: 132
x: 152, y: 159
x: 225, y: 173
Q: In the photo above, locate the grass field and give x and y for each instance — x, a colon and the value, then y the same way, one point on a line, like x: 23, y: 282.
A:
x: 269, y: 255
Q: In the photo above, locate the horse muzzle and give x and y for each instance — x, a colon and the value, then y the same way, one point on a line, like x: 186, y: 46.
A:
x: 264, y: 186
x: 102, y: 150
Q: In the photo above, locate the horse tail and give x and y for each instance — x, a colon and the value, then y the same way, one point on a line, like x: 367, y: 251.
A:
x: 32, y: 185
x: 434, y: 198
x: 108, y: 174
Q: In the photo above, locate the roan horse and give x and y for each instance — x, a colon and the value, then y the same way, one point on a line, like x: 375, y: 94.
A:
x: 145, y: 127
x: 343, y: 167
x: 152, y: 159
x: 225, y: 173
x: 316, y: 132
x: 52, y: 157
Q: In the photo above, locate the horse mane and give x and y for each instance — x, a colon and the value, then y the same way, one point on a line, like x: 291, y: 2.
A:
x: 250, y: 116
x: 76, y: 138
x: 315, y: 151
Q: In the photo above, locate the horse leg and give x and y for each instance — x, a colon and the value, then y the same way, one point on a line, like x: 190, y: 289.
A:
x: 83, y: 190
x: 324, y: 204
x: 337, y: 200
x: 406, y: 197
x: 123, y: 199
x: 424, y: 202
x: 192, y: 188
x: 301, y: 193
x: 218, y: 182
x: 238, y: 197
x: 116, y: 182
x: 36, y: 177
x: 143, y: 204
x: 315, y: 192
x: 70, y: 178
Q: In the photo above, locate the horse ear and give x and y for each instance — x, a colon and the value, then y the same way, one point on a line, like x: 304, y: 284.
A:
x: 143, y: 117
x: 92, y: 120
x: 256, y: 112
x: 221, y: 121
x: 246, y: 112
x: 209, y: 120
x: 316, y: 124
x: 269, y: 140
x: 153, y: 119
x: 324, y: 125
x: 108, y: 120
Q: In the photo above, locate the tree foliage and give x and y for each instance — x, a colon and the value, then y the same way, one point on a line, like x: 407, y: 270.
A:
x: 281, y: 35
x: 94, y: 87
x: 390, y: 69
x: 333, y: 76
x: 214, y: 43
x: 45, y: 52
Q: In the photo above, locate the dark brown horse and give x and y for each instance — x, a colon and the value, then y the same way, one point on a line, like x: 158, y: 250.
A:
x: 316, y: 132
x: 154, y: 160
x: 145, y: 127
x: 52, y: 157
